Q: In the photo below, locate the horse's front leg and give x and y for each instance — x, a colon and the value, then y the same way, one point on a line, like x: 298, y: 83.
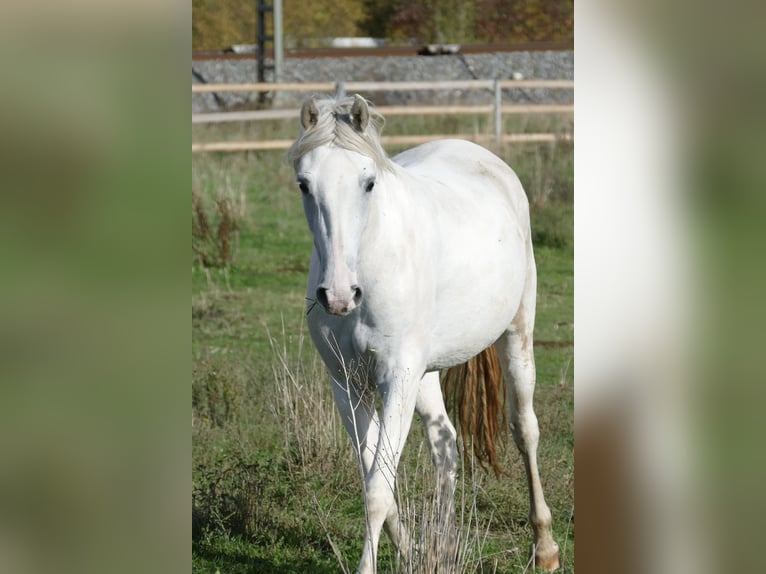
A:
x: 356, y: 405
x: 398, y: 386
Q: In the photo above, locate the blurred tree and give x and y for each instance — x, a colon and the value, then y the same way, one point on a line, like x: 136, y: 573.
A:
x: 433, y: 21
x: 305, y: 23
x: 524, y: 20
x: 217, y: 24
x: 463, y: 21
x: 377, y: 17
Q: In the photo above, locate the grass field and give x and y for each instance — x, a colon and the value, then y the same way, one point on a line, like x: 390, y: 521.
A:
x: 275, y: 484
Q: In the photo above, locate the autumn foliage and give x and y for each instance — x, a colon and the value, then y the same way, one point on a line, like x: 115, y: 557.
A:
x: 217, y: 24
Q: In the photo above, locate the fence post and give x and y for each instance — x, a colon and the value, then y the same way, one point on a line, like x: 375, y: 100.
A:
x: 498, y: 116
x: 340, y: 90
x: 278, y: 44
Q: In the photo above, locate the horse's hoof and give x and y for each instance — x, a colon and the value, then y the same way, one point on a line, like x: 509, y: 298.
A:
x: 548, y: 562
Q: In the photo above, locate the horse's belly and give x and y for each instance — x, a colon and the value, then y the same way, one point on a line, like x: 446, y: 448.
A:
x: 477, y: 304
x: 454, y: 342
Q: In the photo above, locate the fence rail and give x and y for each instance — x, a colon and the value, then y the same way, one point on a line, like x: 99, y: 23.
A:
x: 288, y: 114
x: 385, y: 140
x: 496, y: 109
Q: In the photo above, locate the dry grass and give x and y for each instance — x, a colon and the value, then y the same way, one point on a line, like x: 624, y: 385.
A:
x: 217, y: 216
x: 314, y: 437
x: 448, y: 535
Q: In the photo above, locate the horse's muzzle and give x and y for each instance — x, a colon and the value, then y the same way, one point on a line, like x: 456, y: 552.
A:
x: 340, y: 306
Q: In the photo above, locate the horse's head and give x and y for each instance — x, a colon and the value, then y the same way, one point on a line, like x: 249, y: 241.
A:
x: 337, y: 163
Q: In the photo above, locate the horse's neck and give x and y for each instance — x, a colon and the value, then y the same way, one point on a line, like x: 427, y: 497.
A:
x: 400, y: 199
x: 395, y: 214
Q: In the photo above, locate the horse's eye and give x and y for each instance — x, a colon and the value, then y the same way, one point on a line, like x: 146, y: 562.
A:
x: 369, y: 186
x: 303, y: 187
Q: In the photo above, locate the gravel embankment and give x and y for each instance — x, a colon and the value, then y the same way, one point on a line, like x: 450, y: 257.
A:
x: 530, y: 65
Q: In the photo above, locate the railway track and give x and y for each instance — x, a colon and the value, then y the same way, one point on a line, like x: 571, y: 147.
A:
x: 387, y: 51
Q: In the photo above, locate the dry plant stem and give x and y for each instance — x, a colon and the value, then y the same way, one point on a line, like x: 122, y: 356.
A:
x: 335, y: 551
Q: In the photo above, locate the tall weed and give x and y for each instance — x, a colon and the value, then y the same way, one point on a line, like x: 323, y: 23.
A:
x: 217, y: 216
x: 313, y: 434
x: 448, y: 536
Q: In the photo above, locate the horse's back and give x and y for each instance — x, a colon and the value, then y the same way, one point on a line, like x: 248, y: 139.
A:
x: 466, y: 185
x: 465, y: 166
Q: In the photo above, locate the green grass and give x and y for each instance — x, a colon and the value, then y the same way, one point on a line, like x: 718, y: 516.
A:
x: 260, y: 503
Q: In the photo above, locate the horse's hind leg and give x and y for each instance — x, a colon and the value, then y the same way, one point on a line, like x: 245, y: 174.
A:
x: 441, y: 436
x: 439, y: 432
x: 517, y: 359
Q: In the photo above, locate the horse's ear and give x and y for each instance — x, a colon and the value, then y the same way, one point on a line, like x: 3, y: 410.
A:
x: 360, y: 114
x: 309, y: 114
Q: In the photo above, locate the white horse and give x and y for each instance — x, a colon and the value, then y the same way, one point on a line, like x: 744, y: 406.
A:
x: 420, y: 263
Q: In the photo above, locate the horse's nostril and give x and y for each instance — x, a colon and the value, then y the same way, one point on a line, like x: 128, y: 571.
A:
x: 357, y: 293
x: 322, y: 297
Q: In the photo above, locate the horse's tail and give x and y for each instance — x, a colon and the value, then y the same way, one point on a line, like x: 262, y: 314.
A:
x: 475, y: 395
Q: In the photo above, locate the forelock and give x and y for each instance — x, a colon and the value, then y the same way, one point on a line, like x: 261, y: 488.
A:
x: 333, y: 126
